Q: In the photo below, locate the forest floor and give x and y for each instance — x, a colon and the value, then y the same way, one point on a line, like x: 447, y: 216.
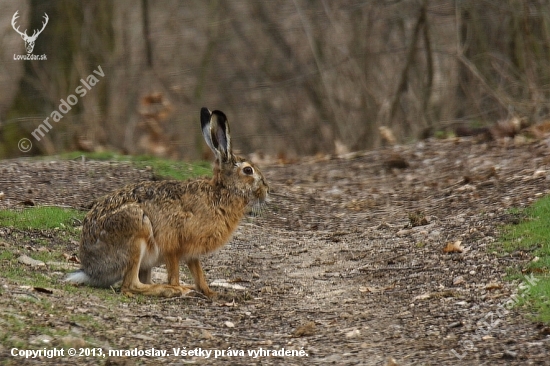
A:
x: 346, y: 266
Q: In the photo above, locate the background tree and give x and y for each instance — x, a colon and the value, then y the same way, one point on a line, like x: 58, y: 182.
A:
x: 296, y: 77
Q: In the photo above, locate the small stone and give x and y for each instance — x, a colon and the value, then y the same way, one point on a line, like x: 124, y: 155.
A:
x: 229, y: 324
x: 458, y: 280
x: 435, y: 234
x: 537, y: 174
x: 40, y: 339
x: 403, y: 232
x: 391, y: 362
x: 353, y: 333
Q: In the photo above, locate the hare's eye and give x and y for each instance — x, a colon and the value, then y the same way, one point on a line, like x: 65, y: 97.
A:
x: 248, y: 170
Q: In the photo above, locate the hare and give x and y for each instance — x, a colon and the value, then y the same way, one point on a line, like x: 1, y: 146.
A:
x: 142, y: 225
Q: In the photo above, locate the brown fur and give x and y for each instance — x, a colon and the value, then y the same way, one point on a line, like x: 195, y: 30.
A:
x: 145, y: 224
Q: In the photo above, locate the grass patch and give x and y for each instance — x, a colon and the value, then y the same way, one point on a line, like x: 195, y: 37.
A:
x: 532, y: 234
x: 170, y: 169
x: 162, y: 168
x: 44, y: 217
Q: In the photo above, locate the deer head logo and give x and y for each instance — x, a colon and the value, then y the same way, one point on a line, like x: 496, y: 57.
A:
x: 29, y: 41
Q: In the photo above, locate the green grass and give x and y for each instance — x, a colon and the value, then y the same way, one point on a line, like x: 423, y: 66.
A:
x: 532, y: 235
x: 44, y: 217
x: 162, y: 168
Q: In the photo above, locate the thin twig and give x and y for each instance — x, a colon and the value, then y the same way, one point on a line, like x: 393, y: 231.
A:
x: 25, y: 293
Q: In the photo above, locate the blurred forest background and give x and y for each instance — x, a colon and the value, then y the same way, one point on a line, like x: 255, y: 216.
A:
x: 295, y: 77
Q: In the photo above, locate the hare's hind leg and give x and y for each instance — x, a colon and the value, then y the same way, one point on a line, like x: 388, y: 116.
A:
x: 132, y: 229
x: 132, y: 284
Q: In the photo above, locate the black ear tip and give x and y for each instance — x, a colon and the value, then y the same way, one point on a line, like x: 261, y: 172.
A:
x: 220, y: 115
x: 205, y: 116
x: 205, y: 113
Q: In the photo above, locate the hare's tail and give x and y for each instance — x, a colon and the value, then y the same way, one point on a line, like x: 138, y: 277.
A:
x: 78, y: 277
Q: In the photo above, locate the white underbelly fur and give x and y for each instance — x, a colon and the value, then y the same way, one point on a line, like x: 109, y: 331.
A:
x: 149, y: 258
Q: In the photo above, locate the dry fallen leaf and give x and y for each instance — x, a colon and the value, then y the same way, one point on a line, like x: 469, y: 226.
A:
x: 455, y: 247
x: 458, y: 280
x: 425, y: 296
x: 493, y: 286
x: 43, y: 290
x: 417, y: 218
x: 71, y: 258
x: 392, y: 362
x: 368, y: 289
x: 376, y: 289
x: 304, y: 330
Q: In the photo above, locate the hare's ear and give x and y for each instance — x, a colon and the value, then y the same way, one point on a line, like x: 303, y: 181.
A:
x: 205, y: 127
x: 215, y: 130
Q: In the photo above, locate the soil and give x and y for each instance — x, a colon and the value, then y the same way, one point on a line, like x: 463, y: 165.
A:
x: 346, y: 264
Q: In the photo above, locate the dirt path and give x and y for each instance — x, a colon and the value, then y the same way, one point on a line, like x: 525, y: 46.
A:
x: 330, y: 268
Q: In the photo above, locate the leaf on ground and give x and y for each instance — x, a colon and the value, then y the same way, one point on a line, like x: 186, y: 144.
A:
x: 373, y: 289
x: 304, y: 330
x: 230, y: 304
x: 417, y: 218
x: 458, y: 280
x: 391, y: 362
x: 43, y: 290
x: 71, y: 258
x: 493, y: 286
x: 425, y: 296
x: 455, y: 247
